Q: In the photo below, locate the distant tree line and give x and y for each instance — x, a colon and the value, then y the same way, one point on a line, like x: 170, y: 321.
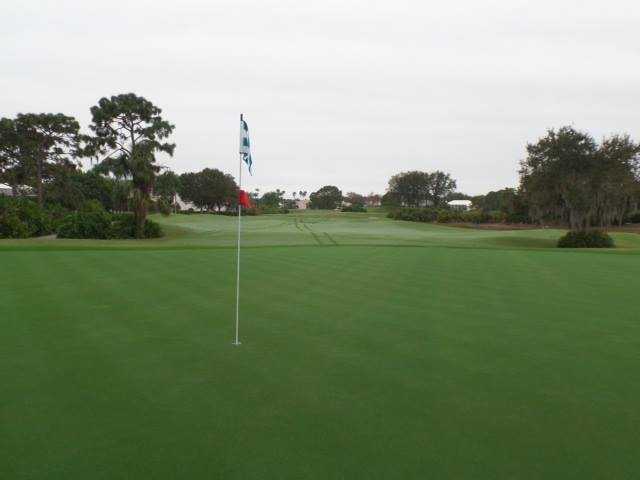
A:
x: 567, y: 178
x: 419, y: 189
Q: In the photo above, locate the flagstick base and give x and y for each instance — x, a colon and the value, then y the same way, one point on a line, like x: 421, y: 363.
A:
x: 236, y: 343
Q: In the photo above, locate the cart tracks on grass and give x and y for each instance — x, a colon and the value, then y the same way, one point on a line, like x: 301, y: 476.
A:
x: 321, y: 239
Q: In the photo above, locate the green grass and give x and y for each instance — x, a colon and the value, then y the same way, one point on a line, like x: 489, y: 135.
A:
x: 371, y: 349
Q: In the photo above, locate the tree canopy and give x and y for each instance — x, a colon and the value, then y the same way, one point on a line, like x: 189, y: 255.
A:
x: 328, y: 197
x: 272, y: 199
x: 568, y: 177
x: 33, y: 146
x: 128, y: 130
x: 355, y: 198
x: 167, y: 185
x: 419, y: 189
x: 208, y: 189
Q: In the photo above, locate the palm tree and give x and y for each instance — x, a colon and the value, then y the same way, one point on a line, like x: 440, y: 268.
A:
x: 128, y: 131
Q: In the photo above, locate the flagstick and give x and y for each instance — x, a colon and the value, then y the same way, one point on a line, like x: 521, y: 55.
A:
x: 237, y: 342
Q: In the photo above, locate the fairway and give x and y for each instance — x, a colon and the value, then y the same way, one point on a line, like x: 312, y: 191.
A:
x: 371, y: 348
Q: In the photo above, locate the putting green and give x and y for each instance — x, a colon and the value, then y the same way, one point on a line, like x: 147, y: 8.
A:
x: 390, y: 355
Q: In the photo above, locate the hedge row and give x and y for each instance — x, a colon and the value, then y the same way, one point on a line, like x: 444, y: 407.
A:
x: 24, y: 218
x: 356, y: 207
x: 453, y: 216
x: 104, y: 225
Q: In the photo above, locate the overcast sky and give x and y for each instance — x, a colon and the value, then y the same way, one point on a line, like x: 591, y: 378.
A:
x: 343, y: 92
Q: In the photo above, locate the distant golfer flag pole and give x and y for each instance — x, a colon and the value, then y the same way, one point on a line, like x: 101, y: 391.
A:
x: 243, y: 201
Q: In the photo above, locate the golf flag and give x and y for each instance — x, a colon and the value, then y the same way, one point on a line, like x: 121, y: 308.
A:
x: 245, y: 145
x: 243, y: 199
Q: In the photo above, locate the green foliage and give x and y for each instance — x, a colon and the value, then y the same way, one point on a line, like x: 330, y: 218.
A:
x: 164, y: 206
x: 508, y: 204
x: 568, y: 178
x: 208, y: 189
x: 123, y: 226
x: 167, y: 186
x: 272, y: 199
x: 289, y: 204
x: 86, y: 224
x: 586, y: 239
x: 414, y: 214
x: 34, y: 146
x: 72, y: 188
x: 443, y: 215
x: 270, y: 210
x: 419, y: 189
x: 327, y: 198
x: 23, y: 218
x: 92, y: 221
x: 128, y: 130
x: 458, y: 196
x: 466, y: 216
x: 354, y: 198
x: 355, y: 207
x: 633, y: 218
x: 390, y: 200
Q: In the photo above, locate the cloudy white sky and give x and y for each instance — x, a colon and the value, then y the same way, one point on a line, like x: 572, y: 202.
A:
x: 344, y: 92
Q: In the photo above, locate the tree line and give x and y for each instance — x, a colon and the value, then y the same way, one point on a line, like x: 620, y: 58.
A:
x: 567, y: 177
x: 43, y: 150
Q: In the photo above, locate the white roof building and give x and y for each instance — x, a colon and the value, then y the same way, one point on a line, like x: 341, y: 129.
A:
x: 6, y: 190
x: 460, y: 204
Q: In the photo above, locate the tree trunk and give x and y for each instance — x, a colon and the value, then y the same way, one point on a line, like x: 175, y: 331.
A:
x: 140, y: 217
x: 39, y: 182
x: 140, y: 213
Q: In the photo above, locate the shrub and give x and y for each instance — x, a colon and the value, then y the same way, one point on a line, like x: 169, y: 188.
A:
x: 633, y: 218
x: 152, y: 229
x: 414, y: 214
x: 164, y: 207
x: 586, y: 239
x: 356, y: 207
x: 12, y: 227
x: 266, y: 210
x: 124, y: 226
x: 92, y: 221
x: 23, y: 218
x: 84, y: 224
x: 56, y: 213
x: 475, y: 216
x: 447, y: 216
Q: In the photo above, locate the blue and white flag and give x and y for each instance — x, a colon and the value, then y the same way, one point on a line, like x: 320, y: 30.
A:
x: 245, y: 145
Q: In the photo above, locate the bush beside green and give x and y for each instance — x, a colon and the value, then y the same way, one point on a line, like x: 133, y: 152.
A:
x: 23, y: 218
x: 94, y: 222
x: 586, y: 239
